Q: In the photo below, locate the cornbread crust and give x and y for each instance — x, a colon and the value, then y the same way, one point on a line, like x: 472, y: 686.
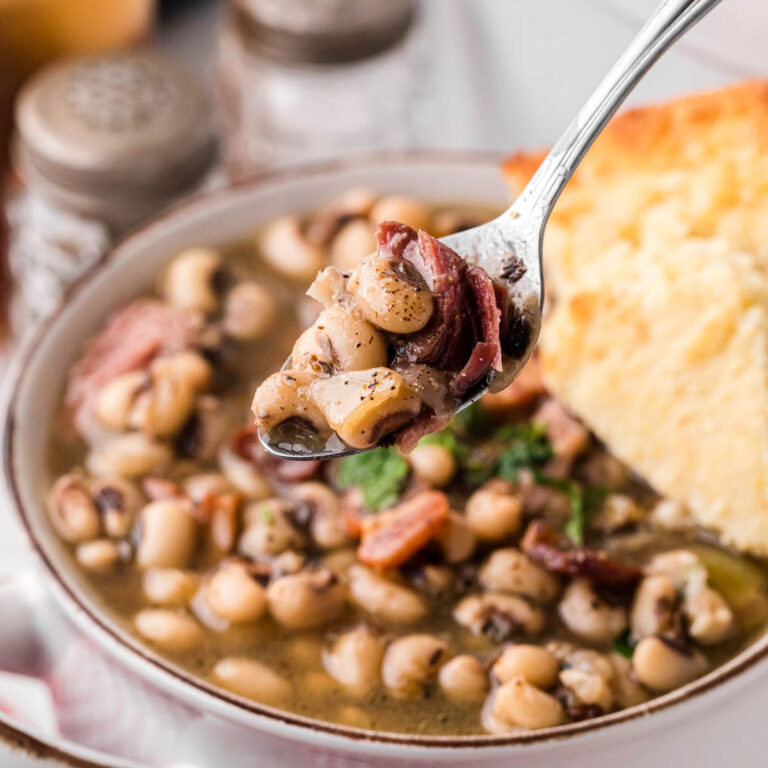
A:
x: 656, y: 258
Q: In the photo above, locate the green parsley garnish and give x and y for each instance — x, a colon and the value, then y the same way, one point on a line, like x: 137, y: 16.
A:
x: 584, y: 502
x: 266, y: 513
x: 380, y: 474
x: 624, y: 645
x: 524, y: 446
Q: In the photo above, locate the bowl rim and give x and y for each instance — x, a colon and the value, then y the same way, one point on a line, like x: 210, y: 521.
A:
x: 172, y: 677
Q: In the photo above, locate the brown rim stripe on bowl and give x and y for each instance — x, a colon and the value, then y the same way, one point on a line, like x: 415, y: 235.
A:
x: 105, y: 628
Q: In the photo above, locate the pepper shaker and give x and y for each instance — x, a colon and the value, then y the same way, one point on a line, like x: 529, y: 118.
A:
x: 306, y: 80
x: 101, y: 143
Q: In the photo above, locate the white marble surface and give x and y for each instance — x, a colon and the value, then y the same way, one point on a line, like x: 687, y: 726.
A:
x: 505, y: 74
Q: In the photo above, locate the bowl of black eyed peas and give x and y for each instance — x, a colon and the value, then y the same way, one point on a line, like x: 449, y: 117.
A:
x: 503, y: 585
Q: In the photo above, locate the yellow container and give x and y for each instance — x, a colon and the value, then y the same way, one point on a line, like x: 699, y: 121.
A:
x: 33, y: 32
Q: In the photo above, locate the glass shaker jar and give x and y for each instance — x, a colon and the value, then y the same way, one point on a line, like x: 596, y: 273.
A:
x: 305, y: 80
x: 101, y: 142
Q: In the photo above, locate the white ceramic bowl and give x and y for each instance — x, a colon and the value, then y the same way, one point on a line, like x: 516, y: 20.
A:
x: 709, y: 720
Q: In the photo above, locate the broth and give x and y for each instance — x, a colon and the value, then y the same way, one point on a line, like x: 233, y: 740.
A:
x: 483, y: 456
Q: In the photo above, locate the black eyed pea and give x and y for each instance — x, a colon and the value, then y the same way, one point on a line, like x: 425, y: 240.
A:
x: 306, y: 599
x: 116, y: 399
x: 574, y: 657
x: 234, y: 595
x: 616, y: 512
x: 354, y: 661
x: 627, y: 692
x: 285, y: 247
x: 434, y: 464
x: 251, y: 679
x: 406, y: 210
x: 653, y: 606
x: 391, y: 294
x: 509, y: 570
x: 130, y: 456
x: 456, y: 539
x: 587, y: 615
x: 588, y: 687
x: 190, y: 367
x: 249, y: 311
x: 243, y: 475
x: 383, y: 598
x: 672, y: 515
x: 364, y: 406
x: 99, y: 555
x: 661, y: 665
x: 328, y: 288
x: 173, y: 630
x: 341, y: 339
x: 71, y: 509
x: 169, y: 587
x: 675, y: 563
x: 163, y: 407
x: 531, y: 662
x: 118, y: 502
x: 198, y: 486
x: 189, y: 281
x: 327, y: 526
x: 340, y: 561
x: 165, y: 404
x: 288, y: 562
x: 518, y: 703
x: 493, y: 515
x: 433, y: 580
x: 463, y: 679
x: 285, y: 395
x: 499, y: 616
x: 411, y: 663
x: 206, y: 429
x: 168, y: 534
x: 268, y: 530
x: 353, y: 242
x: 710, y: 619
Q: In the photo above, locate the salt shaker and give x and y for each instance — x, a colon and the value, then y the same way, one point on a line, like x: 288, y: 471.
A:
x: 307, y: 80
x: 101, y: 143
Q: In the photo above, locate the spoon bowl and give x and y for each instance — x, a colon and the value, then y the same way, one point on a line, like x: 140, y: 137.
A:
x: 509, y: 247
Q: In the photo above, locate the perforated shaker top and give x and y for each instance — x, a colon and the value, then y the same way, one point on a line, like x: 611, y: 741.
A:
x: 132, y: 127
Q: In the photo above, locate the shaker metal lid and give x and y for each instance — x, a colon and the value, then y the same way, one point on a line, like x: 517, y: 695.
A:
x: 129, y: 126
x: 327, y: 32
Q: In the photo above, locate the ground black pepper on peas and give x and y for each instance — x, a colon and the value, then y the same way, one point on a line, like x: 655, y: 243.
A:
x: 507, y: 574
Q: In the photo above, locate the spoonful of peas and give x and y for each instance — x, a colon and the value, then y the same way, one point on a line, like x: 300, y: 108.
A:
x: 425, y: 327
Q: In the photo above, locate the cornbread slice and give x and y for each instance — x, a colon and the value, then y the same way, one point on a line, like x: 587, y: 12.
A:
x: 657, y: 335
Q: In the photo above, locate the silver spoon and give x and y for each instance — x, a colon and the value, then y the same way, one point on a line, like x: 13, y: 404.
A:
x: 514, y: 239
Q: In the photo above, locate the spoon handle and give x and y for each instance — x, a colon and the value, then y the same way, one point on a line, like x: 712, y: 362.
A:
x: 669, y: 22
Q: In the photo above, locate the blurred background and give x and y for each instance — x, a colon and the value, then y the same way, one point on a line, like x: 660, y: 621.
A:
x: 281, y: 82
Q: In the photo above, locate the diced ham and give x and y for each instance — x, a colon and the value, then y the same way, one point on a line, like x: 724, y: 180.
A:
x: 486, y: 300
x: 568, y: 436
x: 443, y: 340
x: 408, y: 437
x: 542, y: 545
x: 478, y: 365
x: 130, y: 339
x: 392, y: 537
